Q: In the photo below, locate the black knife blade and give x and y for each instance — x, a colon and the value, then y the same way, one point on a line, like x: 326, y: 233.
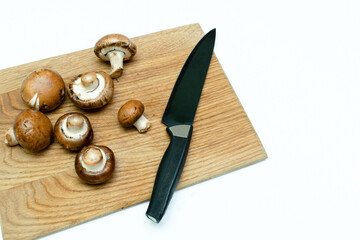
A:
x: 179, y: 116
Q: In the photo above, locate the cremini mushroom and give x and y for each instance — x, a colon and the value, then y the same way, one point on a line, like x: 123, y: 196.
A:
x: 115, y: 48
x: 32, y: 130
x: 43, y: 89
x: 73, y: 131
x: 95, y: 164
x: 91, y: 90
x: 131, y: 114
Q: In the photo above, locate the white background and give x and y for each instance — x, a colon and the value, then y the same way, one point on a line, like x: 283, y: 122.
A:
x: 295, y: 66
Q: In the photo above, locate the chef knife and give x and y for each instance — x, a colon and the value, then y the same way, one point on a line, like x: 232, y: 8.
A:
x: 179, y: 116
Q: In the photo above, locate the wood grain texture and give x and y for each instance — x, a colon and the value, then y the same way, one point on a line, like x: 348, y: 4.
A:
x: 40, y: 193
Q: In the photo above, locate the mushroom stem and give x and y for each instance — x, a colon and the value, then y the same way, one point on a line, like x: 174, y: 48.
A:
x: 93, y: 160
x: 74, y: 123
x: 92, y: 156
x: 90, y: 81
x: 116, y: 61
x: 142, y: 124
x: 10, y: 138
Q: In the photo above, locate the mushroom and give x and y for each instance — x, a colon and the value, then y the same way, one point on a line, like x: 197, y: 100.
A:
x: 95, y: 164
x: 43, y: 89
x: 91, y: 90
x: 73, y: 131
x: 115, y: 48
x: 131, y: 114
x: 32, y: 130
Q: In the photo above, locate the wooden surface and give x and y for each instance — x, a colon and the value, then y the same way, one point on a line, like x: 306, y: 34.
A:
x: 41, y: 193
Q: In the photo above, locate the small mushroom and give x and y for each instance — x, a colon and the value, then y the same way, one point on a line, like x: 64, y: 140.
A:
x: 73, y: 131
x: 95, y: 164
x: 91, y: 90
x: 32, y: 130
x: 115, y: 48
x: 43, y: 89
x: 131, y: 114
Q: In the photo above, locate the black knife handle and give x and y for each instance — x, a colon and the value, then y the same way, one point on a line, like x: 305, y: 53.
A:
x: 169, y: 171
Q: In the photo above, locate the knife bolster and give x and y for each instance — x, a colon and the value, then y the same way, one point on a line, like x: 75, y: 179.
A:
x: 180, y: 130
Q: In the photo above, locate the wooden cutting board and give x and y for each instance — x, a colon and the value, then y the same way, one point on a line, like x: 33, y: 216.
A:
x: 40, y: 192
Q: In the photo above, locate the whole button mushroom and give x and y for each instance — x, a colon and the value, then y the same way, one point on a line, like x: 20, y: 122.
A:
x: 43, y: 89
x: 73, y: 131
x: 91, y: 90
x: 32, y: 130
x: 131, y: 114
x: 95, y: 164
x: 115, y: 48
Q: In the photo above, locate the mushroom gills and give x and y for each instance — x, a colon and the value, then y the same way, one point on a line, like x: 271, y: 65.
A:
x: 86, y: 92
x: 106, y: 50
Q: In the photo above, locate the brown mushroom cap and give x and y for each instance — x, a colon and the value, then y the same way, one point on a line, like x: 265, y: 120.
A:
x: 87, y: 99
x: 80, y: 133
x: 33, y: 130
x: 115, y: 40
x: 43, y: 89
x: 130, y: 112
x: 92, y: 152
